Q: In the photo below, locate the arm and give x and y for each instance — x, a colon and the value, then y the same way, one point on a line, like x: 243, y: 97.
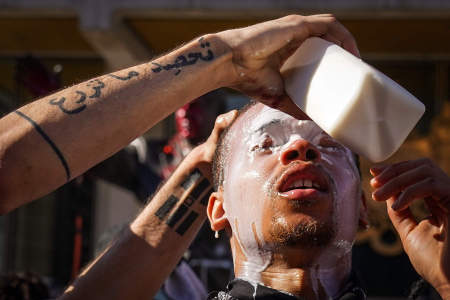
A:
x: 139, y: 261
x: 427, y: 242
x: 52, y: 140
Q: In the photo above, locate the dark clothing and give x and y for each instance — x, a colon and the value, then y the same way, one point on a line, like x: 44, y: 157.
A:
x: 239, y: 289
x: 422, y: 290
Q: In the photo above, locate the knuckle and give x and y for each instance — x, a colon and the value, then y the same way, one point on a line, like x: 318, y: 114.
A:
x: 293, y: 18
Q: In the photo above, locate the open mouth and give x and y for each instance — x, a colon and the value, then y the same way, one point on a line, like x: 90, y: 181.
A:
x: 302, y: 184
x: 301, y: 181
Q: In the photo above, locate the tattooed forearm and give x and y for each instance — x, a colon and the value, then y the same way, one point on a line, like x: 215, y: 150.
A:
x: 183, y: 61
x: 49, y: 141
x: 130, y: 75
x: 194, y: 187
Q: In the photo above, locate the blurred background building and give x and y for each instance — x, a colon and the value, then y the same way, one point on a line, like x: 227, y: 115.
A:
x: 49, y: 44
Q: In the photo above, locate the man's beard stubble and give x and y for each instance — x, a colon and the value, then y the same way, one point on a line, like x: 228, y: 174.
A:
x: 307, y: 234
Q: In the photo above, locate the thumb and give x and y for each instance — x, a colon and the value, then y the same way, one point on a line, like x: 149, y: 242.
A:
x: 403, y: 220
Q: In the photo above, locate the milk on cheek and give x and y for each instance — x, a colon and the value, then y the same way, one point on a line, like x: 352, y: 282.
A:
x: 347, y: 199
x: 244, y: 198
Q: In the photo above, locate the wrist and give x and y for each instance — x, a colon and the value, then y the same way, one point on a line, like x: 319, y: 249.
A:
x: 196, y: 159
x: 225, y: 72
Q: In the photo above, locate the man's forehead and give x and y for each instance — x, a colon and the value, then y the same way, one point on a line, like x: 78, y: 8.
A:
x: 264, y: 111
x: 260, y: 116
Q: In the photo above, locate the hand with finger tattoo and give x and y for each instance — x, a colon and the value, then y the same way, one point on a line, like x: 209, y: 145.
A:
x: 427, y: 243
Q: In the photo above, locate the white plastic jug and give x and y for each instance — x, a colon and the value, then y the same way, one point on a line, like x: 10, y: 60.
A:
x: 353, y: 102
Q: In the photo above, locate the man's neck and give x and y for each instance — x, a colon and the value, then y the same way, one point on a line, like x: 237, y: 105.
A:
x: 306, y: 280
x: 298, y: 282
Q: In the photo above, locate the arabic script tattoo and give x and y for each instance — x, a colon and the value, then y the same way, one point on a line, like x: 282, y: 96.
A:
x: 97, y: 86
x: 70, y: 106
x: 183, y: 61
x: 130, y: 75
x: 65, y: 109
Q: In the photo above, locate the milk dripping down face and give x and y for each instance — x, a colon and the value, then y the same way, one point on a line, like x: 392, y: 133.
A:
x: 287, y: 184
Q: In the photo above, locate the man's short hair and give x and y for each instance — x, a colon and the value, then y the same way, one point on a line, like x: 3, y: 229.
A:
x: 220, y: 154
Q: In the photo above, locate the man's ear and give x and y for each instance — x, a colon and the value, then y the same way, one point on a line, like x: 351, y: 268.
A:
x: 216, y: 212
x: 363, y: 215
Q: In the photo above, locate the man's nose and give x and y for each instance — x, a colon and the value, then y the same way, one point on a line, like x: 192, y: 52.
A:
x: 300, y: 150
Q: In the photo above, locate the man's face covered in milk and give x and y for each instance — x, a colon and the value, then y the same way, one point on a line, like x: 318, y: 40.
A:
x: 288, y: 184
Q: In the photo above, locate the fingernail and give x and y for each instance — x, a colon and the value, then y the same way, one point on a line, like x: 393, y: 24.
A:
x: 231, y: 116
x: 374, y: 169
x: 373, y: 181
